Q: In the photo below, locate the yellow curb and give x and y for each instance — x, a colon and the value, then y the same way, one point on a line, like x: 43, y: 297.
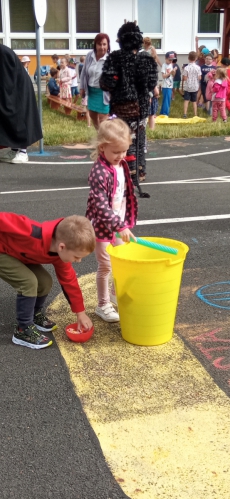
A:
x: 162, y: 423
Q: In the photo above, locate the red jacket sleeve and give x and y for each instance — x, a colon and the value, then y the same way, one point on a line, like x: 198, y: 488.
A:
x: 68, y: 280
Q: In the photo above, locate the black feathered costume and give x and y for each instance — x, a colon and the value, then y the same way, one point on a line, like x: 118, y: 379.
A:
x: 129, y: 75
x: 19, y: 119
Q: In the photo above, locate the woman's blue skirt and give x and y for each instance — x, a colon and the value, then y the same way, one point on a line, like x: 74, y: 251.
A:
x: 95, y: 101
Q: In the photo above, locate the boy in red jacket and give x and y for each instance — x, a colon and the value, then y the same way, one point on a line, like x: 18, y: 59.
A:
x: 24, y: 246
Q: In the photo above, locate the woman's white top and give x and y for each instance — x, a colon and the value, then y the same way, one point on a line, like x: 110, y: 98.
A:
x: 95, y: 70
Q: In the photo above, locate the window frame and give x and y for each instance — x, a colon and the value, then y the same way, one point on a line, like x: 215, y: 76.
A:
x: 203, y: 36
x: 72, y: 35
x: 154, y: 35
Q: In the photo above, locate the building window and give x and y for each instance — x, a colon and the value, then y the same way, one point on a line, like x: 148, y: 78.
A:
x: 57, y: 17
x: 150, y: 16
x: 207, y: 23
x: 56, y: 44
x: 88, y: 16
x: 23, y: 44
x: 84, y: 43
x: 21, y: 16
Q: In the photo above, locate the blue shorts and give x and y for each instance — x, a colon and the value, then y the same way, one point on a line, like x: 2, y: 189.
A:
x: 74, y: 91
x: 153, y: 107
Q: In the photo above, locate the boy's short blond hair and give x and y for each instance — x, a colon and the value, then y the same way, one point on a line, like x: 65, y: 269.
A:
x: 111, y: 130
x: 76, y: 232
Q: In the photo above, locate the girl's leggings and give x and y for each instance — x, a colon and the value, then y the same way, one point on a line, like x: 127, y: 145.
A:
x: 103, y: 271
x: 218, y: 106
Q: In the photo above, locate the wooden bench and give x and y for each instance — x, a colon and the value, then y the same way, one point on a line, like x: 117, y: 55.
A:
x: 57, y: 103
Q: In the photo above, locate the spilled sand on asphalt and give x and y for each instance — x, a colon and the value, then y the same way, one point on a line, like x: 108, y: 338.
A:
x: 162, y: 422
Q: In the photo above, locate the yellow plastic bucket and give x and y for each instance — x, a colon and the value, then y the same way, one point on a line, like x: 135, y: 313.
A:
x: 147, y: 283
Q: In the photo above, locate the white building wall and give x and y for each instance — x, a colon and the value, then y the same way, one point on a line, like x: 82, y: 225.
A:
x: 179, y: 29
x: 114, y: 13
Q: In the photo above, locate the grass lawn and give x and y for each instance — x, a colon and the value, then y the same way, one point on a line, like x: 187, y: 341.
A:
x: 61, y: 129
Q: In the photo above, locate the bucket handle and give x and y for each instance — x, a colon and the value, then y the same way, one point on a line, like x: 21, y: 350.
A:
x: 150, y: 244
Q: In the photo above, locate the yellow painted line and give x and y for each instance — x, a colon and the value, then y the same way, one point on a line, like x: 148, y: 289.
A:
x: 162, y: 423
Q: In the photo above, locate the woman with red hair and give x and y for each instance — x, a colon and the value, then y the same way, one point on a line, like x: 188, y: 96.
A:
x: 97, y: 100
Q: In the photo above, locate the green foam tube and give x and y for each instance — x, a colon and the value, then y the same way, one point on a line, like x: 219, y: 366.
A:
x: 150, y: 244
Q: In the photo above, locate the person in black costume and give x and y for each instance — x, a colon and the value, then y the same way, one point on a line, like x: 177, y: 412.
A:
x: 130, y: 76
x: 19, y: 119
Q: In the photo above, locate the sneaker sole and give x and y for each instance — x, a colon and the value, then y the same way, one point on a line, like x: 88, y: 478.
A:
x: 105, y: 319
x: 45, y: 330
x: 30, y: 345
x: 16, y: 162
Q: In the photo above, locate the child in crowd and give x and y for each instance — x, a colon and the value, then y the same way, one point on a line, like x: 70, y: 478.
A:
x: 56, y: 60
x: 225, y: 63
x: 191, y: 83
x: 148, y: 47
x: 81, y: 64
x: 215, y: 55
x: 208, y: 66
x: 24, y: 246
x: 65, y: 80
x: 53, y: 87
x: 176, y: 79
x: 167, y: 85
x: 153, y: 110
x: 219, y: 91
x: 74, y: 86
x: 25, y: 60
x: 200, y: 56
x: 84, y: 102
x: 112, y: 205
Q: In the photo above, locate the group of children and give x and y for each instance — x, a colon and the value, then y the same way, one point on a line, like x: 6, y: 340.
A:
x: 202, y: 78
x: 63, y: 81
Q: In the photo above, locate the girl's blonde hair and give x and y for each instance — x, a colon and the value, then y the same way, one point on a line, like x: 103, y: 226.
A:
x: 147, y: 40
x: 221, y: 72
x: 111, y: 130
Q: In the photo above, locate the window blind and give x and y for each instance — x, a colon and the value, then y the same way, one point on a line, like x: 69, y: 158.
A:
x: 57, y: 17
x: 88, y: 16
x: 22, y: 18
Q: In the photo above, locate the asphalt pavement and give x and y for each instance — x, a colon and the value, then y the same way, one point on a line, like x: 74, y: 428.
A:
x: 53, y: 429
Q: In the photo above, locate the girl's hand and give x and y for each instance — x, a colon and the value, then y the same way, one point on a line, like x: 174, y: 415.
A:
x: 126, y: 234
x: 83, y: 321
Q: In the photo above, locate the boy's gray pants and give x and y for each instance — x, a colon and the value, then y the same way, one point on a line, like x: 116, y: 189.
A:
x: 32, y: 283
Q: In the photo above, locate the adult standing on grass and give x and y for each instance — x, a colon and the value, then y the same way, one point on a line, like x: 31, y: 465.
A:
x: 98, y: 101
x: 19, y: 119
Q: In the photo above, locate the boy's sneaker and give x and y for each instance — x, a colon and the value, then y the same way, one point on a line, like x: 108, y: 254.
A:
x: 21, y: 157
x: 30, y: 337
x: 43, y: 323
x: 7, y: 158
x: 107, y: 313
